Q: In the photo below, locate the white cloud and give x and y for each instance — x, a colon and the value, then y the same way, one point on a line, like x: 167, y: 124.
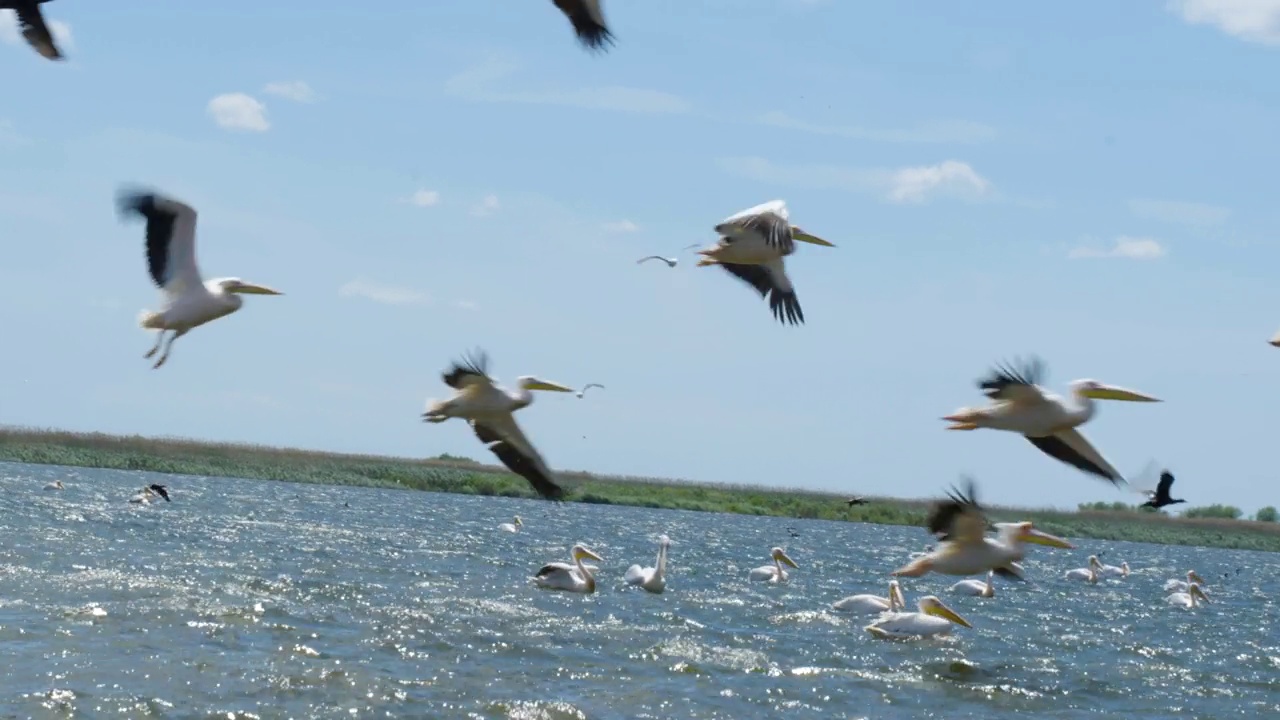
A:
x: 296, y: 91
x: 1251, y: 20
x: 917, y: 184
x: 1132, y: 248
x: 10, y: 34
x: 386, y: 294
x: 465, y: 305
x: 425, y: 198
x: 941, y: 132
x: 622, y: 226
x: 237, y: 111
x: 487, y: 206
x: 478, y: 84
x: 903, y: 185
x: 1182, y: 213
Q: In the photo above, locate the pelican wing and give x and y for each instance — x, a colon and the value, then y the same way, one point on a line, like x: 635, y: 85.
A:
x: 634, y: 575
x: 505, y: 440
x: 471, y: 370
x: 171, y: 240
x: 588, y: 22
x: 959, y: 518
x: 555, y: 568
x: 1015, y: 385
x: 768, y: 220
x: 161, y: 491
x: 34, y: 29
x: 1070, y: 447
x: 771, y: 282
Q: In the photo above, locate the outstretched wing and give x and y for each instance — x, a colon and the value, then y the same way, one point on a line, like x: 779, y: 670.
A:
x: 471, y: 369
x: 170, y: 239
x: 1165, y: 485
x: 1015, y: 384
x: 959, y: 518
x: 773, y: 284
x: 588, y: 22
x: 36, y: 31
x: 160, y: 490
x: 505, y: 440
x: 1070, y: 447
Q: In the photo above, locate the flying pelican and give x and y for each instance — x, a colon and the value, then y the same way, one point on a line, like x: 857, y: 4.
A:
x: 866, y: 602
x: 976, y: 587
x: 1160, y: 496
x: 489, y: 409
x: 671, y: 262
x: 1089, y: 574
x: 1189, y: 599
x: 564, y: 576
x: 55, y: 485
x: 1275, y: 340
x: 588, y: 22
x: 653, y: 579
x: 934, y: 618
x: 963, y: 548
x: 31, y: 20
x: 856, y: 501
x: 587, y: 387
x: 1047, y: 420
x: 773, y: 573
x: 752, y: 246
x: 188, y: 302
x: 513, y: 526
x: 1176, y: 585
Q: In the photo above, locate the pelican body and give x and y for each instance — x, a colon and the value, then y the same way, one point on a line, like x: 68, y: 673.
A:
x: 575, y: 577
x: 490, y: 408
x: 866, y: 603
x: 55, y: 485
x: 188, y: 301
x: 1118, y: 571
x: 513, y: 526
x: 774, y: 573
x: 1047, y: 420
x: 1088, y: 574
x: 653, y: 579
x: 976, y: 587
x: 33, y: 26
x: 934, y: 618
x: 1176, y: 586
x: 1193, y: 596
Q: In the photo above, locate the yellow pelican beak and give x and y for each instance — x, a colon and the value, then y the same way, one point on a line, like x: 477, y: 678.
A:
x: 934, y: 606
x: 1031, y: 535
x: 1111, y: 392
x: 802, y: 236
x: 581, y: 553
x: 962, y: 419
x: 252, y: 289
x: 784, y: 559
x: 536, y: 384
x: 895, y: 591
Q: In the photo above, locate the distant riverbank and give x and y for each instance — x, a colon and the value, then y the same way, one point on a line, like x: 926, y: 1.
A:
x: 461, y: 475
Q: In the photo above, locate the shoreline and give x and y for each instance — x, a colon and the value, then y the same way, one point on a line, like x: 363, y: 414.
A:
x: 466, y: 476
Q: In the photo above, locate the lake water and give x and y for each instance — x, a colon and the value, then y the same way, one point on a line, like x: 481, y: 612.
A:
x: 264, y: 599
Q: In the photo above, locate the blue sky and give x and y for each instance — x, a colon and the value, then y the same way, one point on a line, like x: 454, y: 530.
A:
x: 1093, y: 184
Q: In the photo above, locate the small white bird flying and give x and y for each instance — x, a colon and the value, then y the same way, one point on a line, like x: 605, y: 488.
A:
x: 588, y: 22
x: 587, y: 387
x: 653, y: 579
x: 188, y: 301
x: 671, y: 262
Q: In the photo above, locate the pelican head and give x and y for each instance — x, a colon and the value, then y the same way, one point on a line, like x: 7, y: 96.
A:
x: 664, y: 541
x: 1098, y: 391
x: 1024, y: 532
x: 779, y: 555
x: 802, y: 236
x: 931, y: 605
x: 895, y: 595
x: 1194, y: 591
x: 236, y: 285
x: 517, y: 521
x: 528, y: 382
x: 1094, y: 562
x: 1193, y: 578
x: 582, y: 552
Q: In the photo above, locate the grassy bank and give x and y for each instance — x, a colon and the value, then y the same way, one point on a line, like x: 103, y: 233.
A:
x: 461, y: 475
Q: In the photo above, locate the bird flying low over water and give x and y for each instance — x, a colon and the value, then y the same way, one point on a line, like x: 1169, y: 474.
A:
x: 188, y: 302
x: 752, y: 246
x: 1047, y: 420
x: 856, y: 501
x: 587, y: 387
x: 1159, y: 497
x: 490, y: 410
x: 32, y: 24
x: 588, y: 22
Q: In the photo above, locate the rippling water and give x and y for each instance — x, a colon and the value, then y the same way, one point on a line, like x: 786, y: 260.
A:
x: 245, y: 598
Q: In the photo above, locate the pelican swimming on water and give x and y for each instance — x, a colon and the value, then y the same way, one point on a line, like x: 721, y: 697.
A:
x: 154, y: 490
x: 1089, y: 574
x: 1193, y: 596
x: 588, y: 22
x: 934, y: 618
x: 513, y: 526
x: 752, y: 246
x: 774, y: 573
x: 1120, y: 571
x: 977, y: 587
x: 1176, y: 585
x: 33, y: 26
x: 489, y: 409
x: 867, y: 602
x: 575, y: 577
x: 587, y: 387
x: 1047, y: 420
x: 653, y: 579
x: 55, y: 485
x: 189, y: 302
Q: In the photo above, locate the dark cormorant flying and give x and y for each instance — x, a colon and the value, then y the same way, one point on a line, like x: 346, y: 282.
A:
x: 1160, y: 497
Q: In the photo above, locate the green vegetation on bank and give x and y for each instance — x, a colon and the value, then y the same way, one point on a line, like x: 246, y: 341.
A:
x: 466, y: 476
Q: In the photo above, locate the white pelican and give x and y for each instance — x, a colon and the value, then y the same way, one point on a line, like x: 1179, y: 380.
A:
x: 963, y: 548
x: 587, y: 387
x: 489, y: 409
x: 34, y: 30
x: 188, y: 301
x: 1189, y: 599
x: 588, y: 22
x: 1049, y: 421
x: 873, y: 603
x: 1089, y: 573
x: 977, y: 587
x: 1120, y: 571
x: 55, y: 485
x: 653, y: 579
x: 513, y: 526
x: 774, y: 573
x: 1176, y: 585
x: 752, y: 246
x: 671, y: 262
x: 934, y: 618
x: 1275, y: 340
x: 564, y: 576
x: 145, y: 495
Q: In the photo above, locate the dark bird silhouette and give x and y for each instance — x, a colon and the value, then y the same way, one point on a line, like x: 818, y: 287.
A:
x: 588, y: 22
x: 1160, y: 497
x: 160, y: 490
x: 856, y: 501
x: 793, y: 532
x: 34, y: 30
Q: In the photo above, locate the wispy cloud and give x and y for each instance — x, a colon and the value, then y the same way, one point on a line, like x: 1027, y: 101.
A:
x: 621, y: 226
x: 1181, y: 213
x: 1132, y: 248
x: 10, y: 34
x: 297, y: 91
x: 238, y: 111
x: 950, y: 177
x: 425, y: 198
x: 487, y: 206
x: 909, y: 185
x: 961, y: 132
x: 483, y: 83
x: 1250, y: 20
x: 380, y: 293
x: 465, y: 305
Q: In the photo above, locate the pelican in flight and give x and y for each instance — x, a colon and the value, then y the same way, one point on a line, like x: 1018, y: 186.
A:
x: 575, y: 577
x: 774, y: 573
x: 1160, y: 497
x: 588, y: 22
x: 1193, y: 596
x: 189, y: 302
x: 1049, y: 421
x: 963, y: 548
x: 1089, y: 574
x: 856, y: 501
x: 671, y: 262
x: 866, y: 602
x: 489, y: 409
x: 934, y: 618
x: 979, y: 588
x: 653, y: 579
x: 32, y: 24
x: 1275, y: 340
x: 752, y: 246
x: 513, y: 526
x: 587, y: 387
x: 1176, y: 585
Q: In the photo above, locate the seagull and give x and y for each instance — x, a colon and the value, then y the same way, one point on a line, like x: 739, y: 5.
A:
x: 34, y: 30
x: 588, y: 22
x: 188, y: 301
x: 671, y: 262
x: 587, y: 387
x: 1159, y: 497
